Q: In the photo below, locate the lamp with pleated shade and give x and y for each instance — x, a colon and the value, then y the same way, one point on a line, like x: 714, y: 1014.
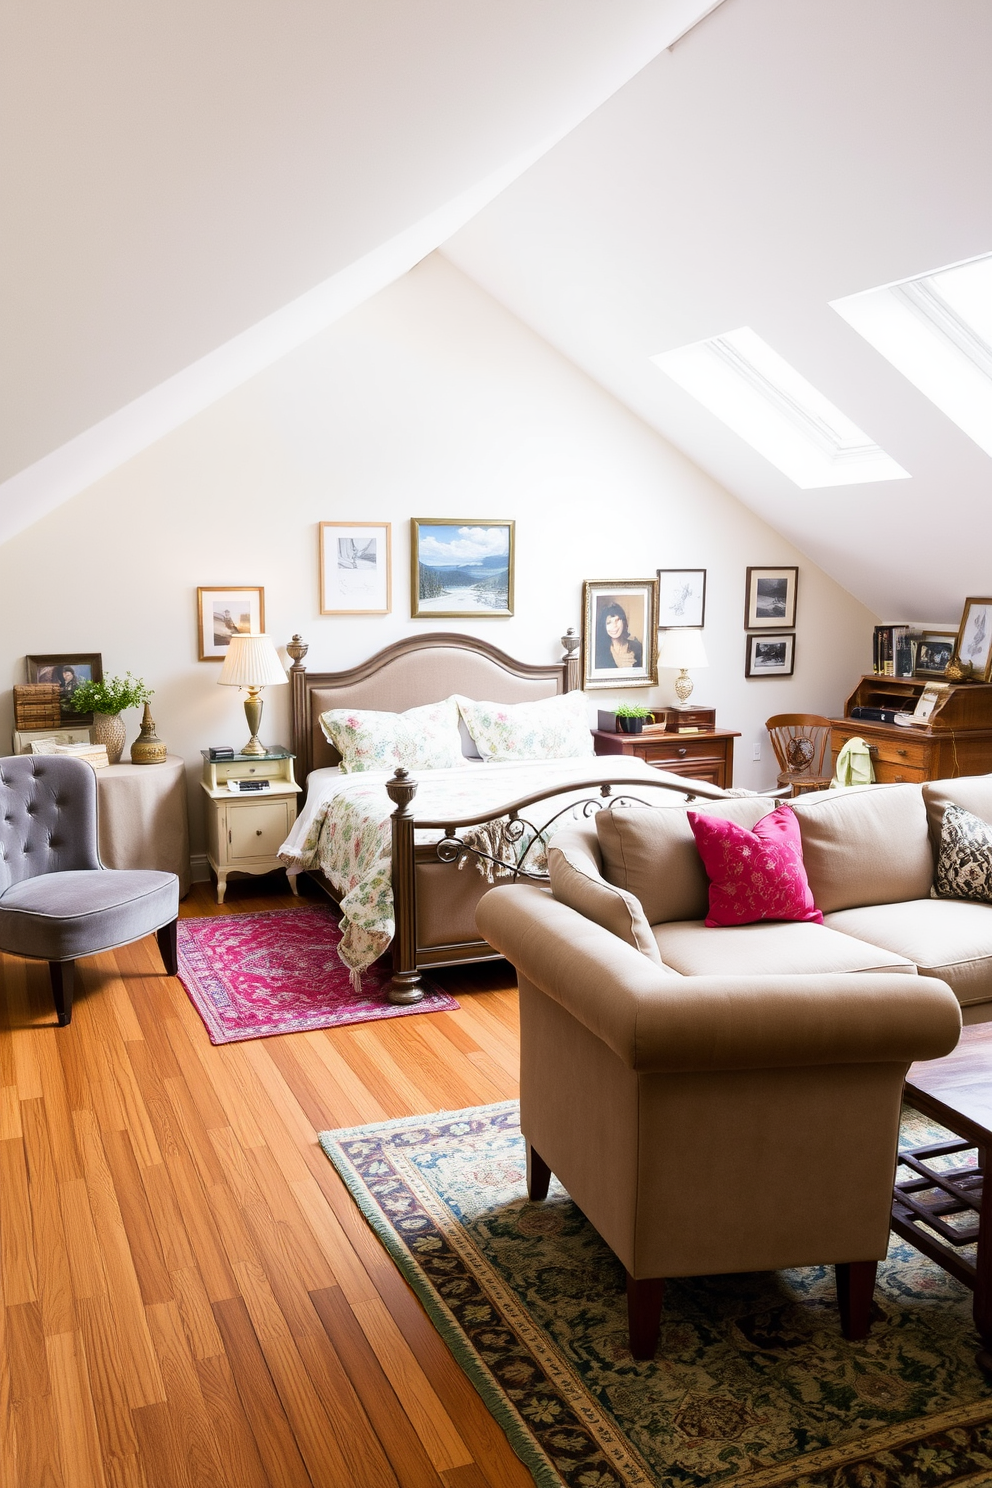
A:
x: 252, y: 662
x: 682, y: 649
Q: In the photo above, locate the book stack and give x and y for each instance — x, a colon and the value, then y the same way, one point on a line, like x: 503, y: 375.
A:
x: 93, y: 754
x: 36, y: 706
x: 892, y: 650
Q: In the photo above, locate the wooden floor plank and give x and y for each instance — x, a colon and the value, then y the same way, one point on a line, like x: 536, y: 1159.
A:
x: 188, y: 1294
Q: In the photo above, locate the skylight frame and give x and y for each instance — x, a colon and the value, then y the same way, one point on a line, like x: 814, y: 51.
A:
x: 758, y: 394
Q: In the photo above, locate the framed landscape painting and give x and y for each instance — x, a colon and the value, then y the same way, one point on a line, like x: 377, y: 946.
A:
x: 226, y: 611
x: 355, y: 568
x: 770, y: 598
x: 461, y: 569
x: 619, y: 633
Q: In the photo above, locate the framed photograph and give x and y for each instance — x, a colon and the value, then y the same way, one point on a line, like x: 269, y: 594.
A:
x: 934, y: 650
x: 681, y: 598
x: 974, y: 638
x: 619, y: 633
x: 67, y: 669
x: 770, y: 598
x: 224, y: 611
x: 355, y: 568
x: 770, y: 655
x: 461, y: 568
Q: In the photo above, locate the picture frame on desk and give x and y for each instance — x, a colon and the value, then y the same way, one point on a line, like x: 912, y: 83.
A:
x: 66, y: 670
x: 933, y: 652
x: 770, y: 655
x: 973, y: 645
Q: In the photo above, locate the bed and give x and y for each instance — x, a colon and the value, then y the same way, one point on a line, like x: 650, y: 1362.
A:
x: 413, y: 834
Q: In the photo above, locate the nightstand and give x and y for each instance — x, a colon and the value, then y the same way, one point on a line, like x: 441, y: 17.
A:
x: 245, y: 832
x: 708, y: 755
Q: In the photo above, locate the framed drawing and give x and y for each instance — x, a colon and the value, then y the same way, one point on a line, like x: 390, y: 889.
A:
x: 974, y: 639
x: 934, y: 650
x: 770, y: 655
x: 223, y: 611
x: 461, y: 568
x: 67, y: 669
x: 355, y: 568
x: 619, y: 633
x: 681, y: 598
x: 770, y: 598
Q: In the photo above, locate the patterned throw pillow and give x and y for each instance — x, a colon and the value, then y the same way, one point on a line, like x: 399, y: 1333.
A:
x: 964, y: 863
x: 754, y: 875
x: 422, y: 738
x: 554, y: 728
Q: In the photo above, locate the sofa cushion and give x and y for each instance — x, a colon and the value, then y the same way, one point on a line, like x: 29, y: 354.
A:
x: 866, y: 845
x: 577, y: 882
x: 946, y: 938
x: 964, y: 860
x: 789, y: 948
x: 757, y: 873
x: 971, y: 792
x: 653, y: 855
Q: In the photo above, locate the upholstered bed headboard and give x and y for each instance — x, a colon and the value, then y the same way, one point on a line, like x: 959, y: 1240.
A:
x: 414, y: 671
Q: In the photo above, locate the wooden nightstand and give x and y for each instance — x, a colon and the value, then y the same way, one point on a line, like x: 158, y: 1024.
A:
x: 708, y: 755
x: 245, y: 832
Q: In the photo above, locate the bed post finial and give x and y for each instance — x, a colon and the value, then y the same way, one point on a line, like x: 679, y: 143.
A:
x: 297, y: 648
x: 571, y: 643
x: 405, y: 985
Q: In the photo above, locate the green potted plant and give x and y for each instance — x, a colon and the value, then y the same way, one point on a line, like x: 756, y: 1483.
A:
x: 107, y: 701
x: 631, y: 717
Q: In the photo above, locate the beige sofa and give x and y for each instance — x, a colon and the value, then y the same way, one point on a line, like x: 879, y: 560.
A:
x: 721, y: 1100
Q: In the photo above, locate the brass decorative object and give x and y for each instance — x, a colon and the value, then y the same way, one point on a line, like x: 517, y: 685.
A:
x: 297, y: 648
x: 148, y: 748
x: 960, y: 671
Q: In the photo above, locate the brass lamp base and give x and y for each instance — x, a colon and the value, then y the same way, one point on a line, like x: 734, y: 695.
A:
x: 683, y: 688
x: 253, y: 713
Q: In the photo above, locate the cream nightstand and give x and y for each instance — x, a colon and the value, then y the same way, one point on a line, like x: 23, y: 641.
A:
x: 244, y: 832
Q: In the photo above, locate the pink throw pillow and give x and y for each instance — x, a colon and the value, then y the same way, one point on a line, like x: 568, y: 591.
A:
x: 756, y: 875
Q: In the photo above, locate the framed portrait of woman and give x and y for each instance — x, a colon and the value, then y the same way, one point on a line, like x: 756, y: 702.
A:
x: 619, y: 633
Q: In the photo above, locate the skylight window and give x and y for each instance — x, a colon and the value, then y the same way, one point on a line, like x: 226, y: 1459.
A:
x: 937, y: 330
x: 756, y: 393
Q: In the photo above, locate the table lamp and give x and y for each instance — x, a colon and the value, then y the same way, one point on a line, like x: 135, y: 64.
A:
x: 682, y: 649
x: 252, y: 661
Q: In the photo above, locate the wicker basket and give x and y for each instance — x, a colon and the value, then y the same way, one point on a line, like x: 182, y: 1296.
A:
x: 36, y: 706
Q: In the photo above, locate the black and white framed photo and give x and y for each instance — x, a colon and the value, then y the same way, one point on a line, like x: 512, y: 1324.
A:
x: 681, y: 598
x: 355, y: 568
x: 619, y: 633
x: 461, y: 569
x: 934, y: 650
x: 770, y: 655
x: 770, y: 598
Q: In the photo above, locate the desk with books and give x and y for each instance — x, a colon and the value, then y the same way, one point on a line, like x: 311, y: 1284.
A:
x: 955, y: 739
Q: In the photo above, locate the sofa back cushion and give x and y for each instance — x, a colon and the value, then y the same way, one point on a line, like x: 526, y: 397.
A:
x: 971, y: 792
x: 577, y: 882
x: 866, y: 845
x: 653, y: 855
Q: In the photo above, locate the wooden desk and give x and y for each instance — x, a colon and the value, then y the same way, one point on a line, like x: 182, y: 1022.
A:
x: 143, y: 817
x: 708, y: 755
x: 957, y: 740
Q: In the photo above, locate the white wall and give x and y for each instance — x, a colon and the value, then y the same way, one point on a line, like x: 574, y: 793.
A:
x: 429, y: 401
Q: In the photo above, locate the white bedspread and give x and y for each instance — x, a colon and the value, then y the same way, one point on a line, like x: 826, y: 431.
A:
x: 344, y: 828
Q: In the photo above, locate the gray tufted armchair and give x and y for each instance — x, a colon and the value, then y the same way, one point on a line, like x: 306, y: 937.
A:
x: 57, y: 901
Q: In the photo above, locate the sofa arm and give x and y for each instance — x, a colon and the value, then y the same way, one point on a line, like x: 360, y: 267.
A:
x: 657, y: 1021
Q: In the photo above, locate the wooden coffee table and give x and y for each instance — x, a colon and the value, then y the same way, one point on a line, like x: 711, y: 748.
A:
x: 956, y: 1091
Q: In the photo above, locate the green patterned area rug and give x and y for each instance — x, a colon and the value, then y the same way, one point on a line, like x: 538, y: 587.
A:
x: 753, y: 1385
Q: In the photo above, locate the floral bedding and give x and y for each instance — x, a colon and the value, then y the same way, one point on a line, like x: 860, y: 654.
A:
x: 344, y: 830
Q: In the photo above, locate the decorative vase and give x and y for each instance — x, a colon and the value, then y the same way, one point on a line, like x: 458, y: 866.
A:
x: 629, y: 725
x: 148, y: 748
x: 108, y: 728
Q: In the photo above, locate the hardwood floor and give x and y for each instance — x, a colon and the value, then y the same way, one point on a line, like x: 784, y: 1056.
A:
x: 189, y: 1295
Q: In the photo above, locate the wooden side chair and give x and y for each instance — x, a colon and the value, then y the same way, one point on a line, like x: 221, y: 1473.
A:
x: 801, y: 742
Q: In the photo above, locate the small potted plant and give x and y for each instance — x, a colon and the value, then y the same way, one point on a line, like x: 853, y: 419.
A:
x: 107, y: 700
x: 631, y: 718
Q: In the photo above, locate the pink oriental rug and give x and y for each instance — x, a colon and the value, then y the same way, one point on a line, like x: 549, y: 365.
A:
x: 255, y: 975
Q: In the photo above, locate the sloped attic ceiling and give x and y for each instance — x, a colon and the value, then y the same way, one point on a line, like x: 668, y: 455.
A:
x: 189, y: 190
x: 782, y: 155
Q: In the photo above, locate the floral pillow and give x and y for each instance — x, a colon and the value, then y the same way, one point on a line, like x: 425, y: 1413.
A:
x: 757, y: 874
x: 553, y: 728
x: 421, y: 738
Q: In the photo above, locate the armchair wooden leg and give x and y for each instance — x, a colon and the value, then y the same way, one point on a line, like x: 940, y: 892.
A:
x: 166, y: 938
x: 538, y: 1175
x: 644, y: 1301
x: 63, y: 974
x: 855, y: 1290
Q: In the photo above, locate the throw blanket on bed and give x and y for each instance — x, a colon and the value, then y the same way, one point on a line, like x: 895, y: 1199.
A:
x: 346, y: 833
